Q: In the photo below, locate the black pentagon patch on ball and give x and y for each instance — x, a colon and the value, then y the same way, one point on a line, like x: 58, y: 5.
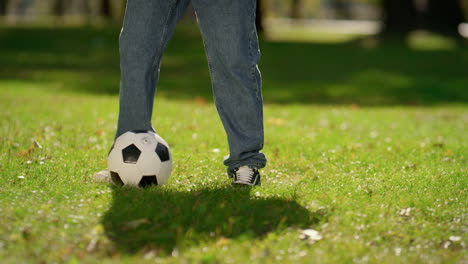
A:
x: 116, y: 178
x: 147, y: 181
x: 163, y: 152
x: 131, y: 154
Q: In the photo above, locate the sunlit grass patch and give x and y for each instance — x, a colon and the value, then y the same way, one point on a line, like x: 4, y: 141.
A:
x: 375, y: 165
x: 428, y: 41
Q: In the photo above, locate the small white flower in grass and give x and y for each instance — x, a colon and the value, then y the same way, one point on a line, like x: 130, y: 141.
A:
x: 136, y: 223
x: 92, y: 245
x: 344, y: 126
x: 405, y: 212
x: 446, y: 244
x: 323, y: 122
x: 455, y: 238
x: 150, y: 254
x: 397, y: 251
x: 21, y: 177
x: 311, y: 235
x: 311, y: 135
x: 216, y: 150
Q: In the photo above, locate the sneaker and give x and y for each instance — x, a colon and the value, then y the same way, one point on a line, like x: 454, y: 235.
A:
x: 245, y: 176
x: 103, y: 175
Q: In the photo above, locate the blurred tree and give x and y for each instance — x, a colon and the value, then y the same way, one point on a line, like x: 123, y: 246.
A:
x: 87, y: 9
x: 399, y: 17
x: 444, y: 17
x: 59, y: 7
x: 106, y: 9
x: 3, y: 7
x: 259, y: 17
x: 342, y: 9
x: 296, y: 9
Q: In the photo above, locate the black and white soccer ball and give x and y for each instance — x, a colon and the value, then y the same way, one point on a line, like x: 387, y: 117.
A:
x: 140, y: 158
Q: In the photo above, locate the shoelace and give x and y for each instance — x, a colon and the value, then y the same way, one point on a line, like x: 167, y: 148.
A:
x: 244, y: 174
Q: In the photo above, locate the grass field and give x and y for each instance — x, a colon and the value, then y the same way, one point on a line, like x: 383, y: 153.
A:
x: 366, y: 144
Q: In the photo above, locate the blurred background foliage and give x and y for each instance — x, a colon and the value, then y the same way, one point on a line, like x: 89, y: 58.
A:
x: 397, y: 17
x: 366, y: 52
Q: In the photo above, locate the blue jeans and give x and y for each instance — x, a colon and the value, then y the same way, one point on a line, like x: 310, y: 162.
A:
x: 231, y: 45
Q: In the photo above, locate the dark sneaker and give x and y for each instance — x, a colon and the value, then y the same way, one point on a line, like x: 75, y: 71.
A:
x: 245, y: 176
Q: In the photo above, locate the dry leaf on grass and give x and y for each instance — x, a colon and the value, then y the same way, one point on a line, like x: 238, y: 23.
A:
x: 136, y: 223
x: 310, y: 235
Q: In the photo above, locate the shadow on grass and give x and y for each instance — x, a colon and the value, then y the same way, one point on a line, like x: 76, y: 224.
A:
x: 85, y: 60
x: 161, y: 219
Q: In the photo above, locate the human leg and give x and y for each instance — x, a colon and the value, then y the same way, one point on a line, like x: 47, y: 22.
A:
x: 230, y: 37
x: 147, y: 28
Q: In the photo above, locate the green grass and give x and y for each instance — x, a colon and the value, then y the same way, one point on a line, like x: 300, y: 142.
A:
x: 354, y: 135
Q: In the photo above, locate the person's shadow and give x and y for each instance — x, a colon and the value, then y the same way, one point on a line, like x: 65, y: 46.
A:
x: 165, y: 219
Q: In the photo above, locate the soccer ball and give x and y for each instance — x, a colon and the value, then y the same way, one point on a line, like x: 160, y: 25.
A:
x: 139, y: 158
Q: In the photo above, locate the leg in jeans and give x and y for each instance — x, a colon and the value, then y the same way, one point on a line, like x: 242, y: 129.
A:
x: 231, y: 44
x: 148, y: 26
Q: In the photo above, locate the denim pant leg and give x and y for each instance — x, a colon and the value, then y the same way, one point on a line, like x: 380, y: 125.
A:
x: 147, y: 27
x: 231, y: 44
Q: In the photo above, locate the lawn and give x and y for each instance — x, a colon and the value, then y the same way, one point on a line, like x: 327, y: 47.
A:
x: 366, y: 145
